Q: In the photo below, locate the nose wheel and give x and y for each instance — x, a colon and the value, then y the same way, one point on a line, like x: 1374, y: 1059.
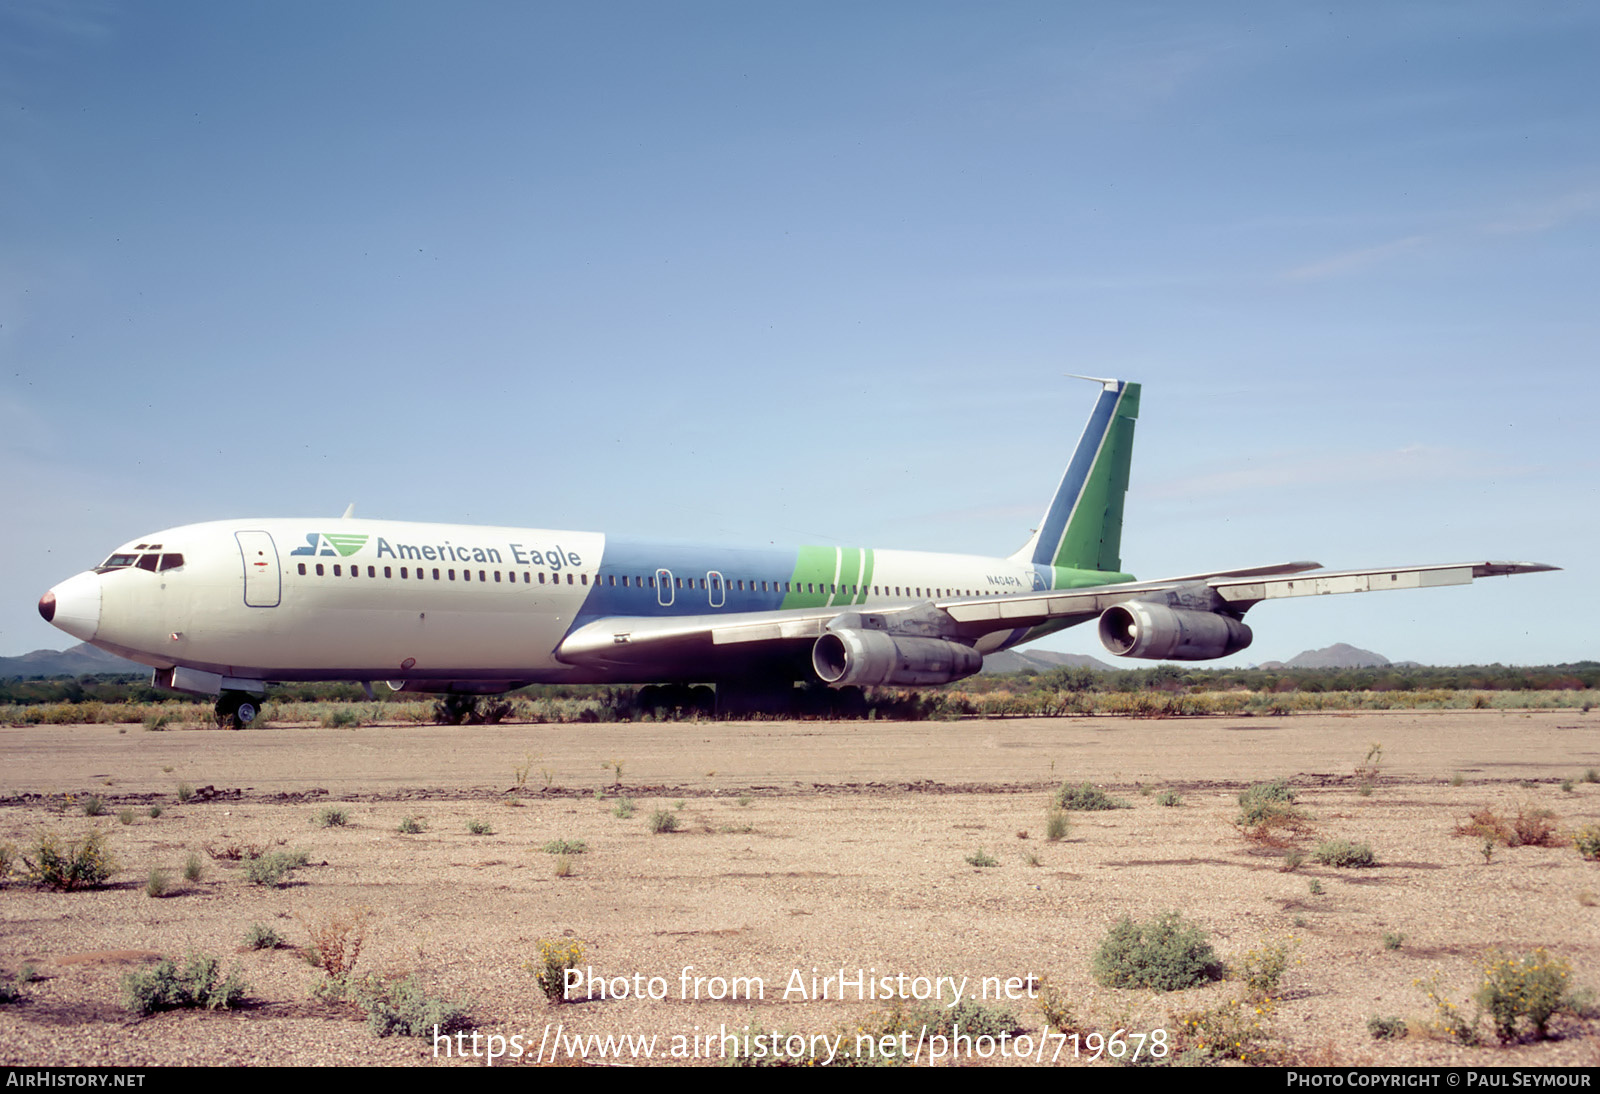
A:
x: 237, y: 709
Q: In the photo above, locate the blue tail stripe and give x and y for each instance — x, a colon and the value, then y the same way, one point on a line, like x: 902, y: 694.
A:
x: 1077, y: 474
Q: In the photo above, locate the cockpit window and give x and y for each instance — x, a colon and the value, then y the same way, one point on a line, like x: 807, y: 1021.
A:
x: 116, y: 562
x: 171, y: 561
x: 147, y: 562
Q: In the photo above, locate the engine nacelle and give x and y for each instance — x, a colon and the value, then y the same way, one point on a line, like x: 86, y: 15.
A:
x: 859, y: 658
x: 1137, y: 629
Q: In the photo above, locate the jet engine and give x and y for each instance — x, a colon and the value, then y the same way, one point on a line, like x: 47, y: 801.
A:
x: 1138, y: 629
x: 864, y: 658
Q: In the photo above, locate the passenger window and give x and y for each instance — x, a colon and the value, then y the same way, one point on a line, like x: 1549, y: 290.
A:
x: 585, y: 578
x: 497, y: 577
x: 452, y: 574
x: 436, y: 574
x: 403, y: 573
x: 302, y: 569
x: 387, y: 573
x: 372, y: 571
x: 466, y: 575
x: 482, y: 576
x: 569, y: 579
x: 541, y: 577
x: 336, y: 571
x: 319, y: 569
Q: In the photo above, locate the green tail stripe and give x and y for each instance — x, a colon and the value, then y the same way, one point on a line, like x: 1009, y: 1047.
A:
x: 1093, y: 538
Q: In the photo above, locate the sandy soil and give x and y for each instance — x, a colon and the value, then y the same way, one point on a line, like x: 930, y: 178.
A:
x: 804, y: 849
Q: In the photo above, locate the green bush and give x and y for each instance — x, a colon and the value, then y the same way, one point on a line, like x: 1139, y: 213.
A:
x: 555, y: 958
x: 1265, y: 803
x: 261, y: 937
x: 166, y: 987
x: 413, y: 826
x: 663, y: 820
x: 1057, y: 826
x: 1165, y: 954
x: 980, y: 857
x: 1087, y: 797
x: 480, y: 827
x: 1344, y: 853
x: 404, y: 1008
x: 1533, y: 987
x: 84, y: 863
x: 1169, y: 797
x: 331, y: 816
x: 273, y: 867
x: 565, y: 847
x: 1587, y: 841
x: 1386, y: 1029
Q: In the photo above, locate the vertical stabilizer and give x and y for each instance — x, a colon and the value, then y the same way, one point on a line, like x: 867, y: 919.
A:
x: 1082, y: 528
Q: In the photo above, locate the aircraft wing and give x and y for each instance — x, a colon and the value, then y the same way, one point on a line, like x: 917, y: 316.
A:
x: 640, y: 642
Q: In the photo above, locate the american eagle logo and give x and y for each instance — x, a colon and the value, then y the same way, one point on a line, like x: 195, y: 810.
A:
x: 325, y: 543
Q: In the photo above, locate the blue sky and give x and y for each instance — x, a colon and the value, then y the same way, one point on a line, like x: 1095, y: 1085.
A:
x: 782, y: 273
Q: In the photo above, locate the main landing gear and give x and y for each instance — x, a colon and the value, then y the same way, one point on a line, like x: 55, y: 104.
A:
x: 237, y: 709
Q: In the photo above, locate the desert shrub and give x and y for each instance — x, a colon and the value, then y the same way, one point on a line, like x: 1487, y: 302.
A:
x: 565, y: 847
x: 336, y: 942
x: 1266, y: 801
x: 624, y: 808
x: 1087, y: 796
x: 165, y: 986
x: 83, y: 863
x: 550, y: 967
x: 1169, y: 797
x: 1587, y: 841
x: 1261, y: 970
x: 982, y: 858
x: 185, y: 792
x: 342, y: 718
x: 1531, y: 988
x: 1235, y: 1030
x: 404, y: 1007
x: 1393, y: 940
x: 93, y: 805
x: 1533, y: 828
x: 125, y: 816
x: 1165, y: 954
x: 272, y: 868
x: 1449, y: 1022
x: 480, y: 827
x: 1058, y: 1013
x: 262, y: 937
x: 1386, y: 1029
x: 331, y: 816
x: 663, y: 820
x: 413, y: 826
x: 1057, y: 826
x: 153, y: 812
x: 1344, y: 853
x: 155, y: 883
x: 1485, y: 824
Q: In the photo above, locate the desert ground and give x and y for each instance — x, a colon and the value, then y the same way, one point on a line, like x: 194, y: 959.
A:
x: 803, y: 850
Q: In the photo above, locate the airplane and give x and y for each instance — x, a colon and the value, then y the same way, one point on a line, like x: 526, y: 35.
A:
x: 223, y: 608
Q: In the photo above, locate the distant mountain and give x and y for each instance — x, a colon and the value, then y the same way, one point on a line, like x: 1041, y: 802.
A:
x: 82, y: 659
x: 1337, y: 656
x: 1041, y: 660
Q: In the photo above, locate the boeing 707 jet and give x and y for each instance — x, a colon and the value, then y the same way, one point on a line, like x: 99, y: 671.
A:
x: 223, y: 608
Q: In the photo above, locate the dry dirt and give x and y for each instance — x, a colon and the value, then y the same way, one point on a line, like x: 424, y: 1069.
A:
x: 804, y: 849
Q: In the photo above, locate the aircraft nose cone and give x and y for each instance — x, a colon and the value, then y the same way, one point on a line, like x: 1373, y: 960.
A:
x: 74, y: 606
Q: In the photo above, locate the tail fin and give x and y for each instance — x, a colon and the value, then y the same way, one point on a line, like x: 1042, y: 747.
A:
x: 1082, y: 529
